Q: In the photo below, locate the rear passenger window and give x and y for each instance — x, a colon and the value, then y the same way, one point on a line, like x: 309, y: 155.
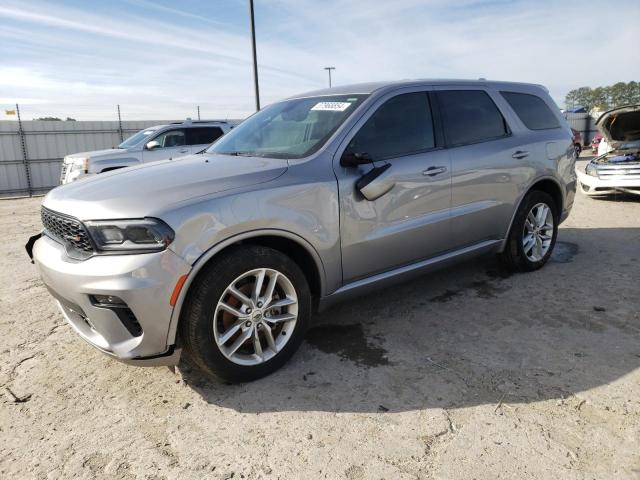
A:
x: 401, y: 126
x: 532, y: 110
x: 470, y: 116
x: 203, y: 135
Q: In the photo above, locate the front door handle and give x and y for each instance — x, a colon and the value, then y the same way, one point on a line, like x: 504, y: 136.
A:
x: 520, y: 154
x: 433, y: 171
x: 184, y: 150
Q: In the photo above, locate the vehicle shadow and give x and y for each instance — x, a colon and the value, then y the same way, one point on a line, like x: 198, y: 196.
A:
x: 469, y: 335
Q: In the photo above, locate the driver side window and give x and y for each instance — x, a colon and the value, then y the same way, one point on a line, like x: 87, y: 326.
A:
x: 171, y: 138
x: 401, y: 126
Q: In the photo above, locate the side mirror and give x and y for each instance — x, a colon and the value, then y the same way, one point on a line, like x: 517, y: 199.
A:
x: 373, y: 184
x: 152, y: 145
x: 350, y: 159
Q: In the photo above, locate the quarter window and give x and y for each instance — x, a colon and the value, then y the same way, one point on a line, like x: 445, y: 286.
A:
x: 532, y: 110
x: 203, y: 135
x: 401, y: 126
x: 470, y: 116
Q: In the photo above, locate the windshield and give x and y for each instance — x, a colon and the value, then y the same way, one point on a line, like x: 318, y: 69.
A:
x: 290, y: 129
x: 138, y: 138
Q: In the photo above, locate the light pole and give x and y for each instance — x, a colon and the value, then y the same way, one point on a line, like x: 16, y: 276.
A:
x: 328, y: 69
x: 255, y: 59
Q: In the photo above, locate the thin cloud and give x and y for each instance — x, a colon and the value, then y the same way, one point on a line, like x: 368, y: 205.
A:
x: 162, y: 60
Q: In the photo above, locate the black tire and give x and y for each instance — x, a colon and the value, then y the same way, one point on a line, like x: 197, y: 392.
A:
x: 513, y: 256
x: 196, y: 320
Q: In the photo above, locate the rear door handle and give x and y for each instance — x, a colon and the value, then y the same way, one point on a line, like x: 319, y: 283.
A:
x: 520, y: 154
x: 433, y: 171
x: 184, y: 150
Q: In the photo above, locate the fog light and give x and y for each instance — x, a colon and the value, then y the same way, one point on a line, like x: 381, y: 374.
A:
x: 108, y: 300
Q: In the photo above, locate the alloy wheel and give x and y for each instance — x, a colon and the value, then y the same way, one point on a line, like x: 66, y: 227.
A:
x: 538, y: 232
x: 255, y: 316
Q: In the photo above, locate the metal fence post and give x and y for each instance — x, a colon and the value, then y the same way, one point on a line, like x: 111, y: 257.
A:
x: 120, y: 125
x: 25, y: 156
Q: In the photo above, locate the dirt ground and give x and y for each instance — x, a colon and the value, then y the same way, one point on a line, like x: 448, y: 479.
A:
x: 468, y: 373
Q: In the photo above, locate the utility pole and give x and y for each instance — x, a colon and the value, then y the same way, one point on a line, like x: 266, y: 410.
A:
x: 25, y: 156
x: 120, y: 125
x: 328, y: 69
x: 255, y: 58
x: 198, y: 112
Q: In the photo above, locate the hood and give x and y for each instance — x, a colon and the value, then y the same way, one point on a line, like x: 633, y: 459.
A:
x: 149, y: 189
x: 109, y: 152
x: 620, y: 124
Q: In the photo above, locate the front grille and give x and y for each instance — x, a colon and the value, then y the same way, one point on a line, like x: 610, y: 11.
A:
x: 620, y: 171
x: 67, y: 230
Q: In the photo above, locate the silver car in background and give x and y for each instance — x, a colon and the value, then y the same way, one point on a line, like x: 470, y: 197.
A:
x: 313, y: 199
x: 160, y: 142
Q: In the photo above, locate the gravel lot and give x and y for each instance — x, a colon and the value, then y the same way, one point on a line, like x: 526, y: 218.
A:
x: 468, y: 373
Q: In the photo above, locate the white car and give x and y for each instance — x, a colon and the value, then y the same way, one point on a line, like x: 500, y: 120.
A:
x: 161, y: 142
x: 617, y: 166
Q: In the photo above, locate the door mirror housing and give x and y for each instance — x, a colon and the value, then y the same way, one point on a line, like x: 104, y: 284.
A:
x: 351, y: 159
x: 374, y: 184
x: 152, y: 145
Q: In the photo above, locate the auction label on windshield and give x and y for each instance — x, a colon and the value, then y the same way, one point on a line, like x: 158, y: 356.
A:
x: 332, y: 106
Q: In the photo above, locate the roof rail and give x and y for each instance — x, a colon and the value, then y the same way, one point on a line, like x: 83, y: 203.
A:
x: 188, y: 120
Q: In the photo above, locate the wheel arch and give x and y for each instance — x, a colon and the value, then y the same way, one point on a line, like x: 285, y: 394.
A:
x: 292, y: 245
x: 545, y: 184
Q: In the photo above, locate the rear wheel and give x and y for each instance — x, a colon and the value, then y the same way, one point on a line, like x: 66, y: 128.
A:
x: 533, y: 233
x: 246, y: 314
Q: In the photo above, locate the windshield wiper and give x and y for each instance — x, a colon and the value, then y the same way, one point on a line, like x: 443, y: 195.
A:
x: 237, y: 154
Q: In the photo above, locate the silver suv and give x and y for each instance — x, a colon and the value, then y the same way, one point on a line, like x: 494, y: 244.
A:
x: 161, y: 142
x: 313, y: 199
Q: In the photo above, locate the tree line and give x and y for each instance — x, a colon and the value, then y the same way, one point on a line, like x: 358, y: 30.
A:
x: 604, y: 98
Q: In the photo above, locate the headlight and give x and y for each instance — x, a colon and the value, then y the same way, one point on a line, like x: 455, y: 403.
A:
x: 80, y: 165
x: 134, y: 236
x: 591, y: 170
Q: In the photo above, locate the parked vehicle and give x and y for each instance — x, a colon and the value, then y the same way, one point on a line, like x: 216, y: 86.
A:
x: 595, y: 141
x: 577, y: 141
x: 617, y: 167
x: 161, y: 142
x: 311, y: 200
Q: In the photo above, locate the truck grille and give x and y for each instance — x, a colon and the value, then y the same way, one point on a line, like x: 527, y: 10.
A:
x: 67, y: 230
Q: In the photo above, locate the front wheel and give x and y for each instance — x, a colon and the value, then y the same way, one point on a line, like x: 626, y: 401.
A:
x: 533, y: 233
x: 246, y: 314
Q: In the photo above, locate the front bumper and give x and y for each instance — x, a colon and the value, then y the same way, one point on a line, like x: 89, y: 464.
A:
x: 144, y: 282
x: 592, y: 186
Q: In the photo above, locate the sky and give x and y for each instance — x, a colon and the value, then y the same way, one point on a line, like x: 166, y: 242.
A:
x: 162, y: 59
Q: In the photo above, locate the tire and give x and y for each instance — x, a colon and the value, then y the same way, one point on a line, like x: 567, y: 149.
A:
x: 578, y: 149
x: 206, y: 310
x: 514, y: 255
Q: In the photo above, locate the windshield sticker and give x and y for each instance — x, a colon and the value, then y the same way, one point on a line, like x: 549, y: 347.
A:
x: 332, y: 106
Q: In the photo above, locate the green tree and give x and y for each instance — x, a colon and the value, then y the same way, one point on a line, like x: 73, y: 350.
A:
x: 603, y: 98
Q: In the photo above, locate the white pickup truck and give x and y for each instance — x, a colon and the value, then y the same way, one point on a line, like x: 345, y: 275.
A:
x: 161, y: 142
